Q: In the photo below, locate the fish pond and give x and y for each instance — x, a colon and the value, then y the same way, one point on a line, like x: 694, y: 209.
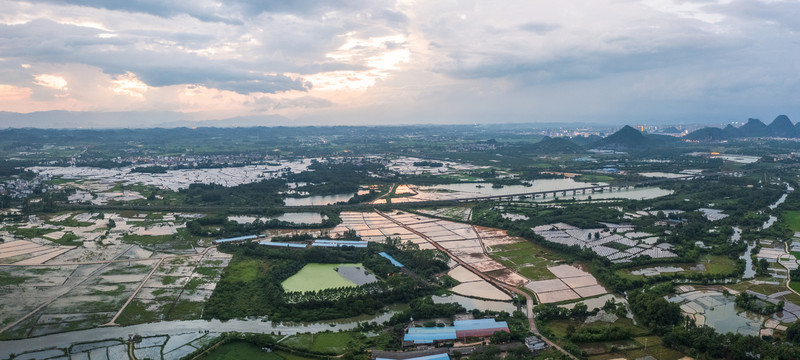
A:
x: 315, y: 277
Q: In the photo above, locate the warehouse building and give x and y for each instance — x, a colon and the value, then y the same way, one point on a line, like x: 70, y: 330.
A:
x: 339, y: 243
x: 237, y: 239
x: 479, y: 328
x: 461, y: 329
x: 283, y: 244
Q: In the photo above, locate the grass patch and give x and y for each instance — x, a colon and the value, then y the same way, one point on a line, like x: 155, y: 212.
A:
x: 116, y: 292
x: 136, y: 313
x: 6, y: 279
x: 525, y: 257
x: 180, y: 241
x: 559, y: 327
x: 147, y: 240
x: 795, y: 285
x: 768, y: 289
x: 42, y: 270
x: 629, y: 349
x: 128, y: 270
x: 242, y: 269
x: 594, y: 178
x: 719, y: 264
x: 326, y: 342
x: 186, y: 310
x: 239, y: 350
x: 111, y: 306
x: 29, y: 233
x: 714, y: 264
x: 69, y: 239
x: 313, y: 277
x: 169, y: 280
x: 792, y: 219
x: 548, y: 354
x: 194, y: 283
x: 208, y: 271
x: 72, y: 223
x: 155, y: 216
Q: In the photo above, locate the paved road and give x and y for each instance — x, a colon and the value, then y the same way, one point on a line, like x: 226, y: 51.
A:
x: 502, y: 286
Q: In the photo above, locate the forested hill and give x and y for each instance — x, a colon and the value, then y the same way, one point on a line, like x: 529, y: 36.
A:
x: 781, y: 127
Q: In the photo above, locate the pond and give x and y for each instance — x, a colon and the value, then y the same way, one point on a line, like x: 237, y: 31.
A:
x: 292, y: 217
x: 718, y: 311
x: 315, y: 277
x: 317, y: 200
x: 470, y: 303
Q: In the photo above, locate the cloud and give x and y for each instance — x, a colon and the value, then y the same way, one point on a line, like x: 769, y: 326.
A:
x: 200, y: 9
x: 540, y: 28
x: 14, y: 93
x: 128, y: 84
x: 361, y: 60
x: 51, y: 81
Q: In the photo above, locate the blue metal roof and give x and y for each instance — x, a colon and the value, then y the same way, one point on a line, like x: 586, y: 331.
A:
x: 240, y: 238
x: 281, y: 244
x: 338, y: 243
x: 429, y: 335
x: 391, y: 259
x: 325, y: 241
x: 442, y: 356
x: 463, y: 325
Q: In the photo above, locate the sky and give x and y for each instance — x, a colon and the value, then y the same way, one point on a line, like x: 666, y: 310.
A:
x: 373, y: 62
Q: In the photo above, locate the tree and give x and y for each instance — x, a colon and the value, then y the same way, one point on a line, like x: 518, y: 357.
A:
x: 500, y: 337
x: 570, y: 330
x: 580, y: 311
x: 793, y: 332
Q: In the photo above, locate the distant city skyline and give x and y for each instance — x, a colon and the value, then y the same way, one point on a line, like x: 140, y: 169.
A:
x: 398, y: 62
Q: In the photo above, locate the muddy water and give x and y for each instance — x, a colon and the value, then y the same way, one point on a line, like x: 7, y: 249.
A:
x: 64, y: 340
x: 470, y: 303
x: 486, y: 189
x: 292, y: 217
x: 317, y: 200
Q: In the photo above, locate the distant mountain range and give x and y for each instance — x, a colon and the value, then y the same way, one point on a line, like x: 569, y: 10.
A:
x: 781, y: 127
x: 629, y: 138
x: 626, y: 139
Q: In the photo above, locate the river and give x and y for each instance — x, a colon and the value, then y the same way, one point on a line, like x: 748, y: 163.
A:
x: 64, y: 340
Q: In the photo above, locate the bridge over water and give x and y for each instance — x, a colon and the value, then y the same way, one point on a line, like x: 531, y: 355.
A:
x: 572, y: 191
